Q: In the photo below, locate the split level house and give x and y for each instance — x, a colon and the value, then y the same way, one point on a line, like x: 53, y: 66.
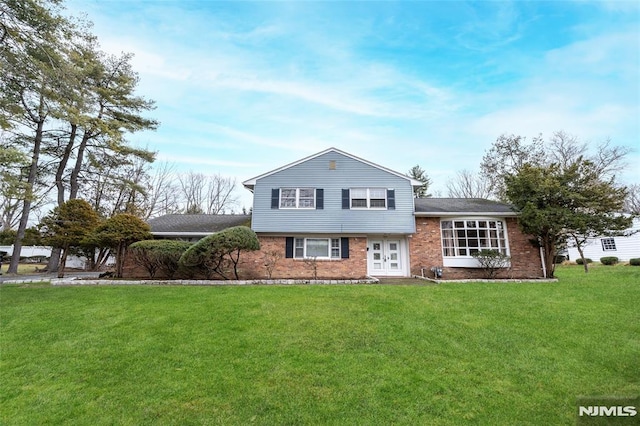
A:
x: 349, y: 218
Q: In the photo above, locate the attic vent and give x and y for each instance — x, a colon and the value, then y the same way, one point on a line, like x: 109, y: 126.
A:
x: 332, y: 165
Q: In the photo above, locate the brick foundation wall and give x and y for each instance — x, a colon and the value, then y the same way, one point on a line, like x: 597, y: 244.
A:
x: 426, y: 251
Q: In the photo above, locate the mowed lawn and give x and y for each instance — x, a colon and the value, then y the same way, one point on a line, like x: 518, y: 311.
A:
x: 359, y: 354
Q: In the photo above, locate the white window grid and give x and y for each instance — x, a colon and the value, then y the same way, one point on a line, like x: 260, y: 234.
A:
x: 608, y: 244
x: 297, y: 198
x: 319, y: 248
x: 368, y: 198
x: 464, y: 237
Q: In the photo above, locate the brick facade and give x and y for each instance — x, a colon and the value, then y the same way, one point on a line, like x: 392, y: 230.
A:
x: 426, y: 252
x: 252, y: 265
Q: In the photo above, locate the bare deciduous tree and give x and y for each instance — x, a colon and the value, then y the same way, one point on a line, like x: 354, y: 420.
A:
x: 204, y: 194
x: 467, y: 184
x: 632, y: 202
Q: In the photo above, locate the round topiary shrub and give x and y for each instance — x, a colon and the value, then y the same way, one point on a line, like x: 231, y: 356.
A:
x: 579, y: 260
x: 609, y: 260
x: 634, y: 262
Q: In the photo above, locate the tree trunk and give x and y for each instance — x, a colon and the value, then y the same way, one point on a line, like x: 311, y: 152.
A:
x: 63, y: 164
x: 26, y: 204
x: 74, y: 186
x: 584, y: 261
x: 63, y: 262
x: 54, y: 260
x: 120, y: 254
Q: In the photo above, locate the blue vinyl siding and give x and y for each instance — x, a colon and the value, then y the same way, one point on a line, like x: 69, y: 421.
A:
x: 332, y: 218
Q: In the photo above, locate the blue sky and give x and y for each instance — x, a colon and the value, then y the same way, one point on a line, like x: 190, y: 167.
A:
x: 244, y: 87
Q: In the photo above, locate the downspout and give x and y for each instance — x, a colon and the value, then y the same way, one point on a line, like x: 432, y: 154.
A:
x: 544, y: 267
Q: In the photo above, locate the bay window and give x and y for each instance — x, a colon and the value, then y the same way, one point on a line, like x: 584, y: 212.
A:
x: 461, y: 238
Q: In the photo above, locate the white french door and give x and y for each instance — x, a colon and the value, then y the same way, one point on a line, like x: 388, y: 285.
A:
x: 386, y: 257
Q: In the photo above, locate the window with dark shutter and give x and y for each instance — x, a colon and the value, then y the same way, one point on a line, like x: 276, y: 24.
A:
x: 288, y: 248
x: 344, y: 248
x: 319, y: 199
x: 275, y: 198
x: 345, y: 199
x: 391, y: 199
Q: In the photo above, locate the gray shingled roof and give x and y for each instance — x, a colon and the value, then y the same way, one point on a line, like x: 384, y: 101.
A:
x: 198, y: 223
x: 461, y: 205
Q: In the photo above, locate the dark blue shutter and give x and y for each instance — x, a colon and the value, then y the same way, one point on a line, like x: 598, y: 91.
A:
x: 344, y: 248
x: 345, y: 199
x: 275, y: 198
x: 319, y: 199
x: 288, y: 248
x: 391, y: 199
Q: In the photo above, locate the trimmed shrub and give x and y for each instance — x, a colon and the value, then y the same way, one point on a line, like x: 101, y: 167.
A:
x: 609, y: 260
x: 491, y: 261
x: 220, y: 253
x: 634, y: 262
x: 579, y: 260
x: 155, y: 255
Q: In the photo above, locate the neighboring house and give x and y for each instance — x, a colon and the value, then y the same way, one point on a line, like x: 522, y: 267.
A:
x: 625, y: 246
x: 346, y: 217
x: 40, y: 254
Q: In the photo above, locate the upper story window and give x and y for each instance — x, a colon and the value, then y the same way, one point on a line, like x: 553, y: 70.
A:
x: 368, y: 198
x: 608, y: 244
x: 462, y: 238
x: 297, y: 198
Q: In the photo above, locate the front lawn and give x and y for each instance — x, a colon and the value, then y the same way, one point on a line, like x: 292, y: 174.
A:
x: 356, y: 354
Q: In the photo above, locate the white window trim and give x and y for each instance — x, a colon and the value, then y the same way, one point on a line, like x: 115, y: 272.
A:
x: 304, y: 248
x: 297, y: 206
x: 611, y: 242
x: 469, y: 261
x: 368, y: 198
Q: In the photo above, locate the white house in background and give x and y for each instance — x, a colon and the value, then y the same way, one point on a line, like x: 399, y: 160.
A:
x: 624, y: 247
x: 37, y: 253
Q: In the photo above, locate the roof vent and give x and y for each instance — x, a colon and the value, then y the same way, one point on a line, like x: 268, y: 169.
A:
x: 332, y: 165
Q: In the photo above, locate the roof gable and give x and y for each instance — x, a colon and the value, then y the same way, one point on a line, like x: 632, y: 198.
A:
x: 250, y: 183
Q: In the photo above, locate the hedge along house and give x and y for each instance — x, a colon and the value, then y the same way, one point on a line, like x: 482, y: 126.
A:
x: 346, y: 217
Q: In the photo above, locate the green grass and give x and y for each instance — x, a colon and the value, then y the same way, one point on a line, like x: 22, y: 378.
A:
x: 361, y: 354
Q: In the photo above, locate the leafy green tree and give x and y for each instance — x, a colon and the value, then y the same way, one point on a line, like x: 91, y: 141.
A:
x: 558, y: 202
x: 32, y: 87
x: 156, y: 255
x: 32, y: 237
x: 68, y: 226
x: 118, y: 233
x: 419, y: 174
x: 217, y: 253
x: 62, y: 99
